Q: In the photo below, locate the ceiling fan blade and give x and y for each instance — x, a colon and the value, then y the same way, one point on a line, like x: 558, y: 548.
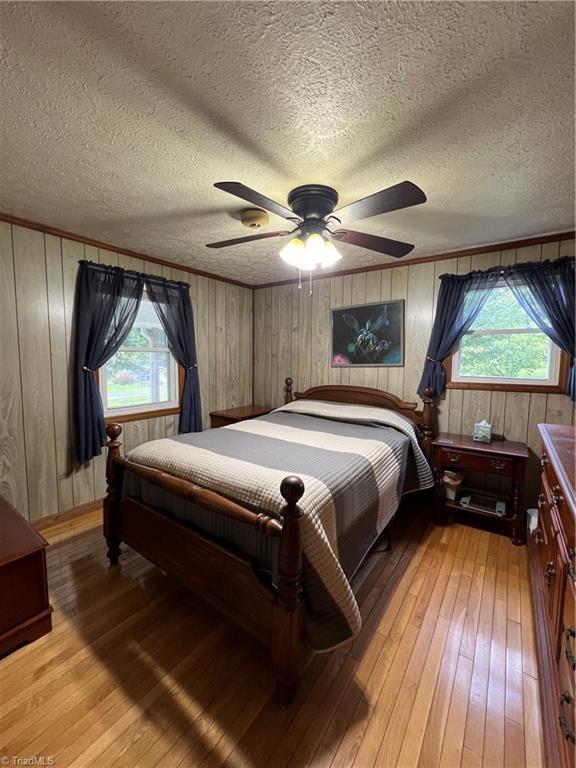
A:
x: 401, y: 195
x: 251, y: 196
x: 374, y: 242
x: 249, y: 238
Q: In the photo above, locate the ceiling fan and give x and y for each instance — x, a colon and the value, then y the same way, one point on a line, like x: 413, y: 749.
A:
x: 312, y: 210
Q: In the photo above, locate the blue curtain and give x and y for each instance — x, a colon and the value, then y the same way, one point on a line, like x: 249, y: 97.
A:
x: 546, y: 291
x: 106, y: 305
x: 460, y: 299
x: 174, y: 309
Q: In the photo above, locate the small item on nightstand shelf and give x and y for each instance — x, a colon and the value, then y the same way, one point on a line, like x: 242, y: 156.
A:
x: 483, y: 432
x: 532, y: 520
x: 452, y: 483
x: 480, y: 502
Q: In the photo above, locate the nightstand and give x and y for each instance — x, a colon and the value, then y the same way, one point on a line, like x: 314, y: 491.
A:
x: 234, y: 415
x: 501, y: 457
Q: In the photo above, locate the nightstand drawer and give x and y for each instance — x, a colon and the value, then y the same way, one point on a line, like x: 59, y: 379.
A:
x: 221, y: 421
x: 475, y: 461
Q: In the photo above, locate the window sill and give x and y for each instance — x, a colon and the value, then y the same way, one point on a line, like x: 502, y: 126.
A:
x: 498, y: 387
x: 124, y: 417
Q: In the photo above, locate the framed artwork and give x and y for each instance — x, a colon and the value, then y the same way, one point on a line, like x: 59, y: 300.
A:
x: 368, y: 335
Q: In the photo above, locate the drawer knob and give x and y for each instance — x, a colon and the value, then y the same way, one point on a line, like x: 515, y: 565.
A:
x: 557, y: 497
x: 454, y: 457
x: 537, y: 536
x: 549, y: 572
x: 498, y: 463
x: 541, y: 501
x: 568, y: 733
x: 543, y: 460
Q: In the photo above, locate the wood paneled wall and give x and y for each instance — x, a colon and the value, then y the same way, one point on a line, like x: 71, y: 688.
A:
x: 292, y: 338
x: 37, y: 280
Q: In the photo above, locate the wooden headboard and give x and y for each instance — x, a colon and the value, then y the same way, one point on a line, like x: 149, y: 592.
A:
x: 341, y: 393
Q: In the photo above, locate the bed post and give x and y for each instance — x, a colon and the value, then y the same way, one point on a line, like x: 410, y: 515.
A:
x: 288, y: 395
x: 428, y: 421
x: 113, y: 491
x: 287, y: 624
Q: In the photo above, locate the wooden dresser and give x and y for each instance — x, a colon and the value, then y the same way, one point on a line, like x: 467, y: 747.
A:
x: 553, y: 584
x: 25, y: 613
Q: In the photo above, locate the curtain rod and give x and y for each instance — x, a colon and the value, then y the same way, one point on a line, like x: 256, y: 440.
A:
x: 511, y: 268
x: 145, y: 275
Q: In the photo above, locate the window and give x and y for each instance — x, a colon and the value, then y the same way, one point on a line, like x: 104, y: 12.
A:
x: 505, y: 347
x: 142, y: 376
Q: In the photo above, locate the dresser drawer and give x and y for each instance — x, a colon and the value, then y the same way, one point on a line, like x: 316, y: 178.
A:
x: 568, y: 633
x: 566, y: 710
x: 546, y: 532
x: 567, y: 523
x: 556, y: 497
x: 475, y: 461
x: 548, y: 469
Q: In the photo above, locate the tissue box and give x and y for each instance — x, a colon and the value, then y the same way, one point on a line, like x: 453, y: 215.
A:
x: 483, y: 432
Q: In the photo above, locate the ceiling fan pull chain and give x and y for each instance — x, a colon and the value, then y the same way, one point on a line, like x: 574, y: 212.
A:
x: 310, y: 282
x: 299, y: 279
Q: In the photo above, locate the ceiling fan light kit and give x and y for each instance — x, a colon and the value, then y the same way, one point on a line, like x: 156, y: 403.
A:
x: 309, y: 254
x: 312, y: 211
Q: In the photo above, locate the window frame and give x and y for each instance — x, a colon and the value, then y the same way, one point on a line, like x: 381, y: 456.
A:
x: 498, y: 384
x: 141, y: 412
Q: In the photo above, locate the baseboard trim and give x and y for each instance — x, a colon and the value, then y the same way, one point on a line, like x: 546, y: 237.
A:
x: 67, y: 514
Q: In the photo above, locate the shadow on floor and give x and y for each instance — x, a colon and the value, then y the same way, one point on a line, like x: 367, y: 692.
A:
x: 195, y: 687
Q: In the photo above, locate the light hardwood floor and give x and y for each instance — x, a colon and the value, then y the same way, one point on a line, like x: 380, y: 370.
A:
x: 139, y: 672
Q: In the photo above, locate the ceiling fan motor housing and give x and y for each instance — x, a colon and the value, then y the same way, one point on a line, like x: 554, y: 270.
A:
x: 254, y: 218
x: 313, y: 201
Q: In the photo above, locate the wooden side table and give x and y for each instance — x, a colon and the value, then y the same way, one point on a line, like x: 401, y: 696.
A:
x: 234, y: 415
x: 25, y: 613
x: 501, y: 457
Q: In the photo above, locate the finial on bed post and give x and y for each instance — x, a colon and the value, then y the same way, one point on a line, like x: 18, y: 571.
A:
x: 288, y: 397
x: 114, y: 472
x: 290, y: 553
x: 428, y: 421
x: 287, y: 626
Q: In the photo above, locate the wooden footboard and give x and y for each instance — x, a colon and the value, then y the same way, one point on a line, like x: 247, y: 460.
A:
x: 229, y: 582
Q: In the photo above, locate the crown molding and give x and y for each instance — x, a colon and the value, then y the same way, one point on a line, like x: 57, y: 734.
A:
x: 110, y: 247
x: 487, y: 248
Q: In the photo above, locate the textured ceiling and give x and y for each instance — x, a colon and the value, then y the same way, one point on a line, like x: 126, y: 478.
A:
x: 117, y: 118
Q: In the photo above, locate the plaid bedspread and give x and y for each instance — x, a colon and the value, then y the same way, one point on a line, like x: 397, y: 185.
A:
x: 352, y: 460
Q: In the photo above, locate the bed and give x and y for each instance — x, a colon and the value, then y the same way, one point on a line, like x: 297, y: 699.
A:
x: 269, y: 519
